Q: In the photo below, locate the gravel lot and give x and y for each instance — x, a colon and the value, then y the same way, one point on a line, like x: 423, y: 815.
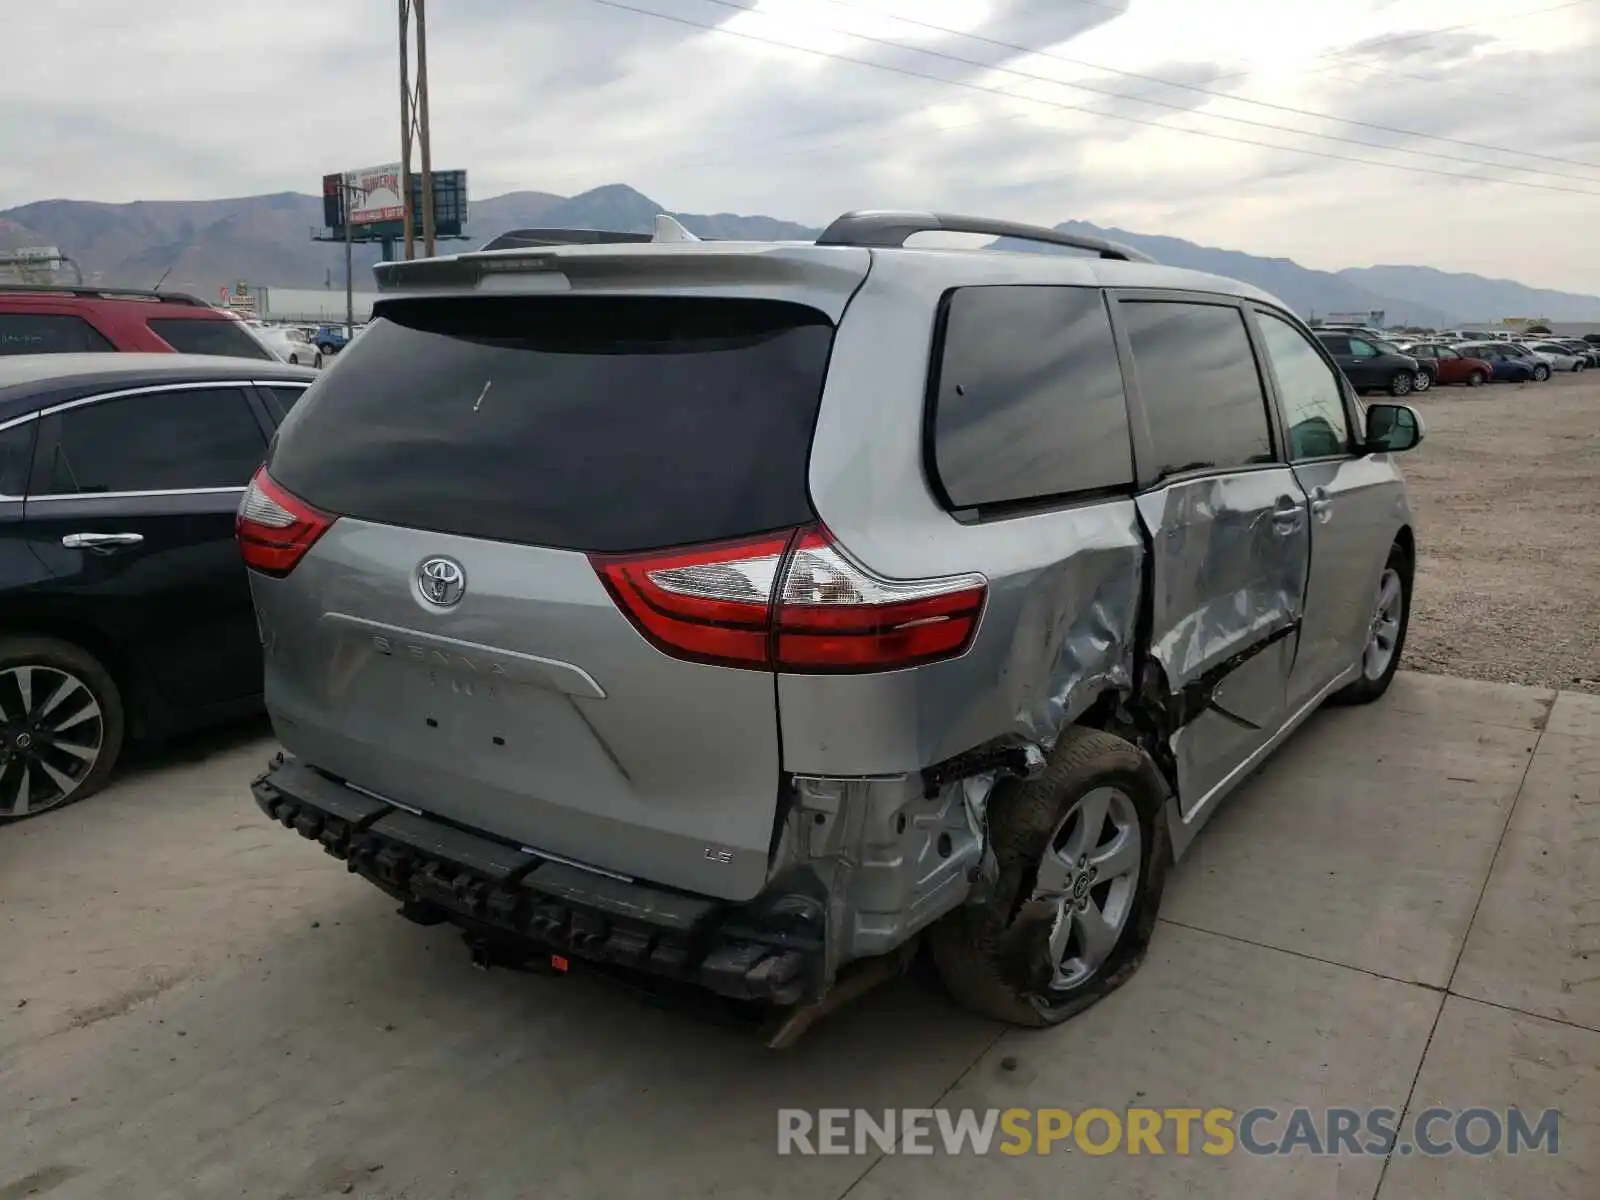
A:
x: 1507, y: 496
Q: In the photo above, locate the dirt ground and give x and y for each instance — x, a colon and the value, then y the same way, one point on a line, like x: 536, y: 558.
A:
x: 1506, y: 490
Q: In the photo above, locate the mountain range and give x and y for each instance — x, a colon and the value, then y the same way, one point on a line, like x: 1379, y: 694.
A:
x: 202, y: 245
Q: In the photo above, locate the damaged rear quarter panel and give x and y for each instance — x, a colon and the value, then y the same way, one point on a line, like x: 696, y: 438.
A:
x: 1057, y: 630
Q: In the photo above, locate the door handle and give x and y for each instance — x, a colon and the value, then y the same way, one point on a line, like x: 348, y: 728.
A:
x: 1287, y: 520
x: 102, y: 542
x: 1321, y: 504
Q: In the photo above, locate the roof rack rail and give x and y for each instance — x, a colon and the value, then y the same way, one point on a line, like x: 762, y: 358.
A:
x: 109, y: 292
x: 891, y: 229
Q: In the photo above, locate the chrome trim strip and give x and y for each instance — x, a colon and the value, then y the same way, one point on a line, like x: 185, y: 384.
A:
x: 184, y: 386
x: 210, y: 491
x: 1182, y: 830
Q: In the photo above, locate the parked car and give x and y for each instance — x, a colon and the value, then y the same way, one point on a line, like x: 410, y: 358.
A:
x: 330, y: 339
x: 1590, y: 352
x: 289, y: 345
x: 1539, y: 363
x: 1446, y: 365
x: 75, y: 320
x: 1373, y: 365
x: 1507, y: 367
x: 1561, y: 358
x: 124, y: 610
x: 970, y: 642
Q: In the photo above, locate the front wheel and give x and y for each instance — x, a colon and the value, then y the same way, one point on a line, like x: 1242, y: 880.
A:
x: 1576, y: 367
x: 1541, y: 373
x: 317, y: 363
x: 294, y: 360
x: 1422, y: 382
x: 1401, y: 384
x: 1476, y: 379
x: 1083, y: 855
x: 61, y: 728
x: 1386, y: 632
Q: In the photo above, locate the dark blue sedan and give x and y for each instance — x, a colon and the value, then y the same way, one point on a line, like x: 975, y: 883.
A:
x: 1508, y: 368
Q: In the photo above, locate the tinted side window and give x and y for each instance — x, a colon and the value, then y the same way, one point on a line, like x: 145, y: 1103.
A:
x: 1202, y: 392
x: 1336, y: 344
x: 49, y: 333
x: 1362, y: 349
x: 1029, y: 397
x: 190, y: 335
x: 280, y: 397
x: 198, y: 438
x: 1313, y: 407
x: 16, y: 455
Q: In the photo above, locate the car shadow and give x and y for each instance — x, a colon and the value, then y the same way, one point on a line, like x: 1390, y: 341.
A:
x: 146, y: 757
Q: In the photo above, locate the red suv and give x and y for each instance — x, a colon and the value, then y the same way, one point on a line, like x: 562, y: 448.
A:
x: 71, y: 320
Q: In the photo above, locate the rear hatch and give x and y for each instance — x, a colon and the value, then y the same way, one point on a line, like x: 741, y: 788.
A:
x: 451, y: 641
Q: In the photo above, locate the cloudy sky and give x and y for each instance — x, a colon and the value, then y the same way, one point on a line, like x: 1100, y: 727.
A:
x: 1032, y: 109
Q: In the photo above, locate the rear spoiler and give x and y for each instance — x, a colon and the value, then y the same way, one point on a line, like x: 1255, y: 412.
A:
x: 498, y: 254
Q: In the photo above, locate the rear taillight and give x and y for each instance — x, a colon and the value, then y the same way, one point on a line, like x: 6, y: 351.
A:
x: 274, y: 528
x: 790, y: 602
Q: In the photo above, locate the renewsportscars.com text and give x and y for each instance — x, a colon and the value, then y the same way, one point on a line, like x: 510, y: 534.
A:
x: 1161, y: 1131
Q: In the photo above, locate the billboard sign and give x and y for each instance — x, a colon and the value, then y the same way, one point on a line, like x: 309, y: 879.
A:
x: 46, y: 254
x: 375, y: 194
x: 367, y: 222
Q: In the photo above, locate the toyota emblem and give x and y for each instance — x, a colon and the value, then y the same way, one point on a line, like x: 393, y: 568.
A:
x: 441, y: 582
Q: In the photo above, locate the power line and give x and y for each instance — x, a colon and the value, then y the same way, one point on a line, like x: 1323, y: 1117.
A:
x: 888, y: 43
x: 1190, y: 87
x: 977, y: 87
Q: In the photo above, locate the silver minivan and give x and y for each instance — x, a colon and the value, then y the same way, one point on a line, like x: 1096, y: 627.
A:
x: 734, y: 614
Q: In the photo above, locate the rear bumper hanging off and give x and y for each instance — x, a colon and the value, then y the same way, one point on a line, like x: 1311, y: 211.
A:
x: 443, y: 872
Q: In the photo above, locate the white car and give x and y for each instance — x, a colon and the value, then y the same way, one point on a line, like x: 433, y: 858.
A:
x: 288, y: 344
x: 1560, y: 358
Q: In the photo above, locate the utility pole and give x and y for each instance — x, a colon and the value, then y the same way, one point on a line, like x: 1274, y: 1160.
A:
x: 405, y: 127
x: 349, y: 270
x: 425, y: 138
x: 414, y: 126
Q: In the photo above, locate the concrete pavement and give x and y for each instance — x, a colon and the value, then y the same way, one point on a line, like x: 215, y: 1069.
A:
x: 1401, y: 910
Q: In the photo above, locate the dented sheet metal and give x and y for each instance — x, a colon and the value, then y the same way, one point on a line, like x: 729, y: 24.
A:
x: 1076, y: 638
x: 1229, y: 560
x: 1057, y: 630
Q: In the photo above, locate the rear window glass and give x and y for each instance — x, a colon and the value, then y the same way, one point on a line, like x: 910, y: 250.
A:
x: 49, y: 333
x: 1028, y: 400
x: 587, y: 423
x: 191, y: 335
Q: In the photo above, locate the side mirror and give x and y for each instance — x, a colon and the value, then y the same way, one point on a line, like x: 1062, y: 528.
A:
x: 1393, y: 428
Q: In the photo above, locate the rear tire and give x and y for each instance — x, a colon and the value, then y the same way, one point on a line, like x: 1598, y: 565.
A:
x: 1377, y: 669
x: 1009, y: 956
x: 56, y: 695
x: 1422, y: 382
x: 1401, y: 384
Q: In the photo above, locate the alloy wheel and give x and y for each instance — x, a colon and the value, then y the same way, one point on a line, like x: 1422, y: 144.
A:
x: 1401, y: 384
x: 1423, y: 381
x: 1383, y: 633
x: 1090, y: 874
x: 51, y: 735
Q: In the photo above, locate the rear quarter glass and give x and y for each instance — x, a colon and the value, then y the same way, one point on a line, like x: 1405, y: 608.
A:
x: 583, y: 423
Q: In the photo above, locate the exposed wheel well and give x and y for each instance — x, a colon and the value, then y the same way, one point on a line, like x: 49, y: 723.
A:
x: 1408, y: 543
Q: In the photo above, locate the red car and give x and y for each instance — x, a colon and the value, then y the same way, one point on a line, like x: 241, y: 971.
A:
x: 1445, y: 365
x: 71, y: 320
